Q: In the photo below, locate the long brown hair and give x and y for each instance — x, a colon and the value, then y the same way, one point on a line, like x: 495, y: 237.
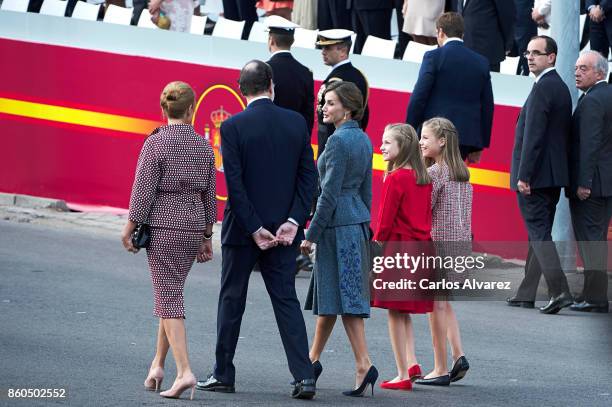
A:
x: 443, y: 128
x: 409, y: 151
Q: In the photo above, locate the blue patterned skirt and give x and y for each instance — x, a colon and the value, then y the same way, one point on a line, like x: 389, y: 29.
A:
x: 340, y: 277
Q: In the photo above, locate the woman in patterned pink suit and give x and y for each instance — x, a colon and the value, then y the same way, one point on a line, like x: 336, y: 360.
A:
x: 174, y: 193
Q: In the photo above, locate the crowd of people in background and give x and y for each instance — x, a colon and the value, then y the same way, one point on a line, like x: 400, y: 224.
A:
x: 494, y: 28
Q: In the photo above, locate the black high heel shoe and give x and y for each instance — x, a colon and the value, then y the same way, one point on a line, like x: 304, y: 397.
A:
x: 369, y: 379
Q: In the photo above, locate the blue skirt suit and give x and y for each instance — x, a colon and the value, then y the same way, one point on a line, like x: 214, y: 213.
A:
x: 340, y: 226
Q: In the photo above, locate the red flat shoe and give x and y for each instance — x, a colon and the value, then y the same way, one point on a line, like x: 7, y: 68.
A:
x: 414, y: 372
x: 401, y: 385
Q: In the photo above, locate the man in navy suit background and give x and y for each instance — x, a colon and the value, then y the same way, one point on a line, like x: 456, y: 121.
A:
x: 454, y: 82
x: 489, y: 28
x: 271, y: 180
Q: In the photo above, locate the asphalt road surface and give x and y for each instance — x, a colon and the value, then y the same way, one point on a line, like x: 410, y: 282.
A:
x: 76, y: 314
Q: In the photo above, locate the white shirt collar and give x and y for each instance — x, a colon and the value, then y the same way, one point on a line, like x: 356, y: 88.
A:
x: 282, y: 51
x: 544, y: 72
x: 257, y: 98
x: 344, y: 62
x: 451, y: 39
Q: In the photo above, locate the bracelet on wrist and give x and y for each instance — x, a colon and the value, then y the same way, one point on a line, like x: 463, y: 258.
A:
x: 208, y: 237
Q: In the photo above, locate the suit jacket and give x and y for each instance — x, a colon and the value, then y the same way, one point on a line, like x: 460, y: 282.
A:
x: 454, y: 82
x: 175, y: 180
x: 371, y: 4
x: 293, y: 86
x: 591, y: 143
x: 269, y: 171
x: 348, y: 73
x: 542, y: 135
x: 345, y: 173
x: 489, y: 27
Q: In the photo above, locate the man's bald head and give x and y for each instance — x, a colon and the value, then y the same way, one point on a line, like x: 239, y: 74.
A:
x: 255, y: 78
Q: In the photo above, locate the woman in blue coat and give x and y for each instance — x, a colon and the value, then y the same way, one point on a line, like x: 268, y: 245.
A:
x: 340, y: 229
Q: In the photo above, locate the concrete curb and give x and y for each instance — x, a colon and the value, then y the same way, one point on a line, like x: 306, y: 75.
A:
x: 27, y: 201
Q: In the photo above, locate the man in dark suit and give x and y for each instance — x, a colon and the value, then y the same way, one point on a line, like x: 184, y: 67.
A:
x: 454, y: 82
x: 600, y: 16
x: 333, y: 14
x: 539, y: 171
x: 241, y: 10
x: 293, y: 83
x: 335, y: 46
x: 489, y: 28
x: 270, y: 176
x: 590, y: 189
x: 370, y: 17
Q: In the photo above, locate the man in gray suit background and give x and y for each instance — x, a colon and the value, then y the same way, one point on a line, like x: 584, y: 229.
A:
x: 590, y: 191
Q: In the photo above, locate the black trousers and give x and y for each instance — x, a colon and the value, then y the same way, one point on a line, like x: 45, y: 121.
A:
x: 278, y: 272
x: 241, y: 10
x: 403, y: 38
x: 601, y: 36
x: 538, y: 212
x: 375, y: 22
x: 590, y: 219
x: 333, y: 14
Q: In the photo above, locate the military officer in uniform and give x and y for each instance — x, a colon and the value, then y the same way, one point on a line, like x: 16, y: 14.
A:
x: 293, y: 83
x: 335, y: 46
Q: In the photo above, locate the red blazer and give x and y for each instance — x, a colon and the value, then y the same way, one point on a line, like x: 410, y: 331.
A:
x: 405, y: 209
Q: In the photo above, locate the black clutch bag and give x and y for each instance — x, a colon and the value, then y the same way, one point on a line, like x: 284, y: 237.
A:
x: 141, y: 236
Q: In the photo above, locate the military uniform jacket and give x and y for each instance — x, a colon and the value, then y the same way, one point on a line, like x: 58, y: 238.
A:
x: 348, y: 73
x: 293, y: 86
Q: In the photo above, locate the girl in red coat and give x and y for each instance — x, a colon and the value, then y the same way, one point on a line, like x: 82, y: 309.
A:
x: 405, y: 216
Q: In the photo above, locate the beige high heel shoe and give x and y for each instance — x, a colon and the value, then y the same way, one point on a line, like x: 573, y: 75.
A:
x: 154, y: 379
x: 179, y: 387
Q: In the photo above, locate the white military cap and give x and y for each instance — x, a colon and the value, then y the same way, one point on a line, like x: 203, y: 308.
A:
x: 334, y: 36
x: 280, y: 25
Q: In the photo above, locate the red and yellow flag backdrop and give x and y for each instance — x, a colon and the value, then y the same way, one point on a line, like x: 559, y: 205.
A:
x: 73, y: 122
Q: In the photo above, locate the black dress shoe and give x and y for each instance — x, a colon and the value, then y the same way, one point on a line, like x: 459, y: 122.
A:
x: 584, y: 306
x: 435, y: 381
x: 317, y: 367
x: 460, y: 368
x: 304, y: 389
x: 212, y: 384
x: 557, y: 303
x: 513, y: 302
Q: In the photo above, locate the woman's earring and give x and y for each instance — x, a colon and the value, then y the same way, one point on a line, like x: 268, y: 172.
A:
x: 345, y: 113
